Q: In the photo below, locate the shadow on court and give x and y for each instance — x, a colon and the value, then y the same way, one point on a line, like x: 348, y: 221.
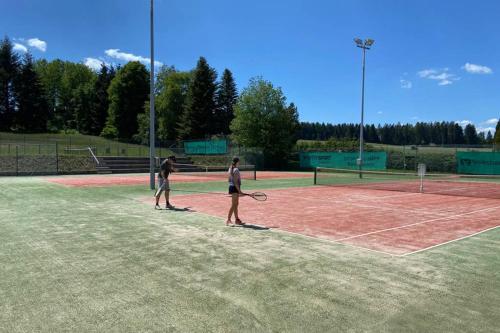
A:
x: 251, y: 226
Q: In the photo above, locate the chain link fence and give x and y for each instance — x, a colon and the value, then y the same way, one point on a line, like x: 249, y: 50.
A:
x: 44, y: 159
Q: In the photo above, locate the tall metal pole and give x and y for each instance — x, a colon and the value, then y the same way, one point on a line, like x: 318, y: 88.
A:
x: 152, y: 153
x: 361, y: 127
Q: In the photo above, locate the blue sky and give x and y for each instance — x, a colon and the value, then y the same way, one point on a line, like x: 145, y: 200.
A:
x: 432, y: 60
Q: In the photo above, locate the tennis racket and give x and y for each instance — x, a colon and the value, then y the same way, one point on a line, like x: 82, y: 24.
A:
x: 259, y: 196
x: 160, y: 188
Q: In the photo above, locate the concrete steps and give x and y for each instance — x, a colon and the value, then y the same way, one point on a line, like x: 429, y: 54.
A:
x: 120, y: 164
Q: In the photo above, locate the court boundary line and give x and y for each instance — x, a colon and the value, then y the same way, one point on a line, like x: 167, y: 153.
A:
x: 418, y: 223
x: 337, y: 242
x: 308, y: 236
x: 448, y: 242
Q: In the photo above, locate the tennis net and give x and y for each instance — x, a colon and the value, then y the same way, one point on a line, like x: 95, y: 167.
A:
x: 443, y: 184
x: 246, y: 171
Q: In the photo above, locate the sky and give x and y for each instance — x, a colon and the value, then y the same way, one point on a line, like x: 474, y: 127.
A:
x: 431, y: 61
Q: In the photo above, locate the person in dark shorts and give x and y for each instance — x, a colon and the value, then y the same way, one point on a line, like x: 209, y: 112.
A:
x: 235, y: 191
x: 166, y: 168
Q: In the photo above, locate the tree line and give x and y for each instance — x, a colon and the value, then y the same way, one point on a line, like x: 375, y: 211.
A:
x: 421, y: 133
x: 57, y: 95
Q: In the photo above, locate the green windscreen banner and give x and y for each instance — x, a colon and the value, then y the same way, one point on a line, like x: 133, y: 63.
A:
x: 206, y: 147
x: 478, y: 163
x: 371, y: 160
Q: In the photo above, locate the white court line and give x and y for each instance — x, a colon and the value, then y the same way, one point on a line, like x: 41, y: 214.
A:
x: 417, y: 223
x: 337, y: 242
x: 311, y: 237
x: 448, y: 242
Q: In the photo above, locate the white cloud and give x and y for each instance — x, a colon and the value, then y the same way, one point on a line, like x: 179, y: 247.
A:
x: 445, y: 82
x: 37, y: 44
x: 405, y: 84
x: 486, y: 130
x: 476, y: 69
x: 463, y: 123
x: 20, y: 48
x: 485, y: 126
x: 443, y: 77
x: 117, y: 54
x: 379, y: 112
x: 94, y: 64
x: 492, y: 121
x: 426, y: 72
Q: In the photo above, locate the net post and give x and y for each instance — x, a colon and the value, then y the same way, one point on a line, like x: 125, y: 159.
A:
x: 316, y: 176
x: 254, y: 172
x: 421, y: 169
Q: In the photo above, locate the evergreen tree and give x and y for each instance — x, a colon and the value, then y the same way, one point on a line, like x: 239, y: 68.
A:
x: 489, y: 138
x: 32, y: 110
x: 227, y: 95
x: 470, y: 135
x: 99, y: 112
x: 481, y: 138
x: 497, y: 135
x: 9, y: 67
x: 198, y: 119
x: 127, y: 93
x: 458, y: 134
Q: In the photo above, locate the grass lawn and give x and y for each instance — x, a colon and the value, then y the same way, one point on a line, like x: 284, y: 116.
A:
x: 99, y: 259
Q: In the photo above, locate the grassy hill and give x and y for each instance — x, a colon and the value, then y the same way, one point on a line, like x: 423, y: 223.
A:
x: 47, y: 143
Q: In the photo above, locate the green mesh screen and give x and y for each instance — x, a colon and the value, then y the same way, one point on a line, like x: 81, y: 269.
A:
x: 475, y: 186
x: 371, y: 160
x: 207, y: 147
x: 478, y: 163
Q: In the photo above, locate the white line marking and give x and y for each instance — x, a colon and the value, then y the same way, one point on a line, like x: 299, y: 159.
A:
x: 336, y: 242
x: 451, y: 241
x: 311, y: 237
x: 417, y: 223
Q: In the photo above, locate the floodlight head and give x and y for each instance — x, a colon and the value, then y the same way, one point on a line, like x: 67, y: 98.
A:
x: 369, y: 42
x: 358, y: 41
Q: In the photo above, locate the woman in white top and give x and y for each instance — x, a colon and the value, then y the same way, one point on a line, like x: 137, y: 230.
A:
x: 235, y: 191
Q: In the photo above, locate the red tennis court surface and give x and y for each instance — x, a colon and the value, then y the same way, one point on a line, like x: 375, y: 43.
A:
x: 141, y: 179
x: 385, y: 221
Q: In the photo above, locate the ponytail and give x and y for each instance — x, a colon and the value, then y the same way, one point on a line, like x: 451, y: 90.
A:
x: 233, y: 164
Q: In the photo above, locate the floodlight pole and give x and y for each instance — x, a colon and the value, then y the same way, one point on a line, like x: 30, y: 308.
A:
x: 152, y: 153
x: 364, y: 46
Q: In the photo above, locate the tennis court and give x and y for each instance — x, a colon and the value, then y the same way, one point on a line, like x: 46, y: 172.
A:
x: 92, y: 246
x: 383, y: 221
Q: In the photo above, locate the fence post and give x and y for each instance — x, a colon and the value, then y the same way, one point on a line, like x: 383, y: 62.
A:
x: 404, y: 157
x: 57, y: 158
x: 17, y: 160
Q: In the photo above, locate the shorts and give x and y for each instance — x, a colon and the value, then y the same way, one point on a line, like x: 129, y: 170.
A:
x: 163, y: 185
x: 232, y: 189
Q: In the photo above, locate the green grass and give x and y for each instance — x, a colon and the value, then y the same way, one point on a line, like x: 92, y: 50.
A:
x: 45, y: 144
x: 100, y: 260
